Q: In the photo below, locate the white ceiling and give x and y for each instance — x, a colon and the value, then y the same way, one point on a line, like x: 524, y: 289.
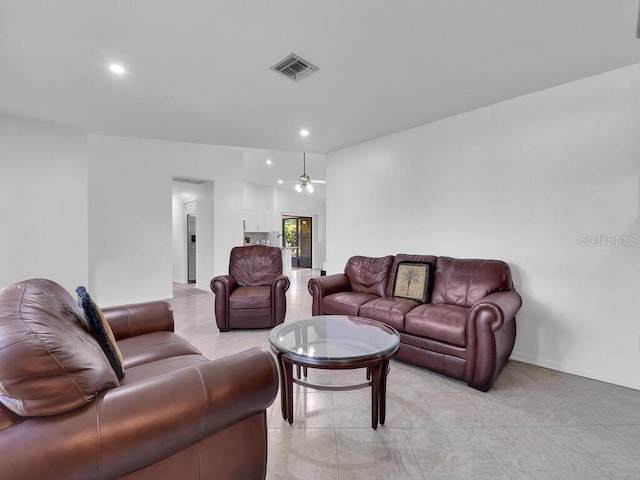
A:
x: 199, y: 70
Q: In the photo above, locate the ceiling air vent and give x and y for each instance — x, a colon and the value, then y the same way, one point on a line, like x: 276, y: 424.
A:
x: 294, y: 67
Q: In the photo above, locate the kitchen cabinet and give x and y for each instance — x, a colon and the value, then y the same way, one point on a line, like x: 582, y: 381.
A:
x: 257, y: 220
x: 250, y: 220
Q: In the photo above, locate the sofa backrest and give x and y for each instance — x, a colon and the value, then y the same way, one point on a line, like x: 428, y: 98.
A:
x: 369, y: 274
x: 255, y: 265
x: 49, y: 363
x: 463, y: 282
x: 405, y: 257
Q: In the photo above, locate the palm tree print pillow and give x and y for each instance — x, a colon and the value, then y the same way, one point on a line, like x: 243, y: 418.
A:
x: 414, y: 281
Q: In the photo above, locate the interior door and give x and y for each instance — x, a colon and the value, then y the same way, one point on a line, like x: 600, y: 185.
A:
x: 298, y: 238
x: 304, y: 240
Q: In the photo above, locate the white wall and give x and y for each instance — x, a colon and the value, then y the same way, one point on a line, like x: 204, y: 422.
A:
x: 43, y: 203
x: 532, y: 181
x: 130, y: 205
x: 212, y: 255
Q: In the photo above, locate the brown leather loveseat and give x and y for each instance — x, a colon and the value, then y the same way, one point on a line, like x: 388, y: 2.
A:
x: 65, y: 415
x: 465, y: 327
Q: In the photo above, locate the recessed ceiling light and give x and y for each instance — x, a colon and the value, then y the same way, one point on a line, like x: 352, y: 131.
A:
x: 280, y: 181
x: 268, y: 162
x: 117, y: 68
x: 304, y: 132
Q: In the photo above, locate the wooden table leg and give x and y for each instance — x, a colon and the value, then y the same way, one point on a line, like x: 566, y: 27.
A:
x: 375, y: 395
x: 288, y: 374
x: 384, y: 369
x: 286, y: 388
x: 283, y: 387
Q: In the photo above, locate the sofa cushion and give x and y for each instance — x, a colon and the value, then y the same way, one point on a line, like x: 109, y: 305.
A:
x: 49, y: 363
x: 464, y: 282
x: 388, y: 310
x: 153, y: 346
x: 413, y: 280
x: 406, y: 257
x: 255, y: 265
x: 368, y: 274
x: 345, y: 303
x: 101, y: 331
x: 250, y: 297
x: 446, y: 323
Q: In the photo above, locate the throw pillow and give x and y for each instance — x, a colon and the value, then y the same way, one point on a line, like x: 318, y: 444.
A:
x: 101, y: 331
x: 414, y: 280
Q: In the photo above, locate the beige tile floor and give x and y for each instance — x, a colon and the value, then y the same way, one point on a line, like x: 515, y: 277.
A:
x: 534, y: 423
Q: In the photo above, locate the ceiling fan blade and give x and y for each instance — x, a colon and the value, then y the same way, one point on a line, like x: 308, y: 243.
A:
x: 319, y: 181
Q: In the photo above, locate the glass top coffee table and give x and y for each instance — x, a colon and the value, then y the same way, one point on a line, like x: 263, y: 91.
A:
x: 335, y: 342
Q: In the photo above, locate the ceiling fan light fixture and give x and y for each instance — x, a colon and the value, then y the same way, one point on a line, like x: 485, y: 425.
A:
x: 305, y: 180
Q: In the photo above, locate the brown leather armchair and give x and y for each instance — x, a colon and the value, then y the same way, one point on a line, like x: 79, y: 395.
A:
x: 253, y: 294
x: 65, y: 415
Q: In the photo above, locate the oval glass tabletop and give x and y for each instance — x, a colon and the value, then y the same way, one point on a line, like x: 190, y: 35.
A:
x: 334, y: 337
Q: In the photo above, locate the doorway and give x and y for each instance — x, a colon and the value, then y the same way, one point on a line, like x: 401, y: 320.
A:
x: 192, y: 197
x: 191, y: 248
x: 297, y: 236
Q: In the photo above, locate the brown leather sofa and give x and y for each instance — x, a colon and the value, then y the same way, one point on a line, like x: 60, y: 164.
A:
x: 175, y: 414
x: 466, y: 331
x: 253, y: 294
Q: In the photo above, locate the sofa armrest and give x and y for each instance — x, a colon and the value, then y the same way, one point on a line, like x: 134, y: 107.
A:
x: 280, y: 283
x: 279, y: 289
x: 320, y: 287
x: 491, y: 333
x: 133, y: 426
x: 222, y: 286
x: 132, y: 320
x: 503, y: 305
x: 324, y: 286
x: 164, y: 415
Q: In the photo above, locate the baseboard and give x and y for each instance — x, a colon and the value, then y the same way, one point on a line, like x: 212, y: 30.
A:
x: 533, y: 360
x: 539, y: 362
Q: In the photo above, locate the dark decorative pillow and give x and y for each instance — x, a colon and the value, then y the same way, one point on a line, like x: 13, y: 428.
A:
x: 414, y: 280
x: 101, y: 331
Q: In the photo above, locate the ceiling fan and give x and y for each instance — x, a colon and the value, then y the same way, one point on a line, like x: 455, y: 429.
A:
x: 305, y: 180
